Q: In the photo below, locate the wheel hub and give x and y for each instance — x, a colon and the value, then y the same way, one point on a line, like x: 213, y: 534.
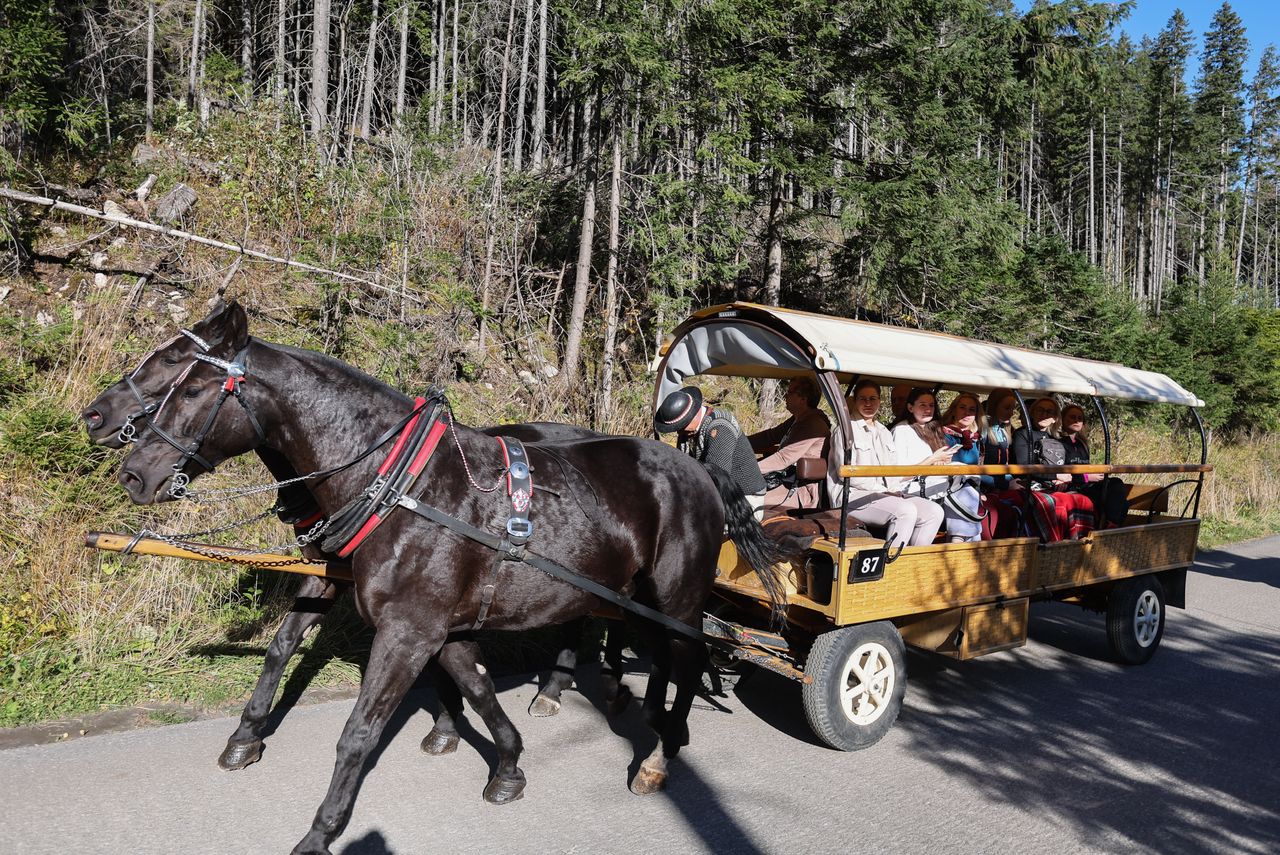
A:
x: 866, y: 685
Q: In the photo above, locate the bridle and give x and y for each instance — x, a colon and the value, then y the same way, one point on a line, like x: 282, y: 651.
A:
x: 236, y: 373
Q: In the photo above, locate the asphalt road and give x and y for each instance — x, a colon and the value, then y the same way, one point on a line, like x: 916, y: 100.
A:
x: 1049, y: 748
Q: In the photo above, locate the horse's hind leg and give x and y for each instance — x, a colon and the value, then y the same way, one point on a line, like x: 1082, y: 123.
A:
x: 463, y: 662
x: 443, y: 738
x: 400, y: 650
x: 616, y: 693
x: 313, y: 600
x: 688, y: 657
x: 547, y: 701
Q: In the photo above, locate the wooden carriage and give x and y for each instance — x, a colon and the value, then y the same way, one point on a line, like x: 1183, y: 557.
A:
x: 852, y: 606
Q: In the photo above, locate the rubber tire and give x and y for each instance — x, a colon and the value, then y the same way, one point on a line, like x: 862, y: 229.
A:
x: 826, y: 664
x: 1122, y: 607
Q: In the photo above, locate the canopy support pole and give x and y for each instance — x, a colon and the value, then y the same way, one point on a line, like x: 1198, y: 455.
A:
x: 1106, y: 430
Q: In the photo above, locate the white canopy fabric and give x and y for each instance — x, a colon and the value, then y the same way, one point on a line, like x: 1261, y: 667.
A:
x: 764, y: 341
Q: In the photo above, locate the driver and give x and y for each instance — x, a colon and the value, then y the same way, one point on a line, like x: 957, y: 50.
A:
x: 713, y: 438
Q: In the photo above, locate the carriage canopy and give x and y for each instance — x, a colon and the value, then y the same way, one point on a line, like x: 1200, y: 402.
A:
x: 749, y: 340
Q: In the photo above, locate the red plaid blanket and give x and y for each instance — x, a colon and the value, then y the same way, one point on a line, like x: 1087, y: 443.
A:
x: 1060, y: 516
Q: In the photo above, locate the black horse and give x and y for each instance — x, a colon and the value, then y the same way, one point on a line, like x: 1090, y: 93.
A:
x: 123, y: 404
x: 629, y: 514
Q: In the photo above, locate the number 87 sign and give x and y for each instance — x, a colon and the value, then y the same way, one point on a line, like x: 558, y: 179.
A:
x: 868, y: 565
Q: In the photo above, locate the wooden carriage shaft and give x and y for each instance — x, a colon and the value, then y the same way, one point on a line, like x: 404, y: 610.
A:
x: 977, y: 469
x: 109, y: 542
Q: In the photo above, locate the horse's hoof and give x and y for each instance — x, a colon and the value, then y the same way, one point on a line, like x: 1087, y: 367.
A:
x: 503, y: 790
x: 543, y: 707
x: 619, y: 702
x: 436, y: 743
x: 237, y: 755
x: 647, y: 782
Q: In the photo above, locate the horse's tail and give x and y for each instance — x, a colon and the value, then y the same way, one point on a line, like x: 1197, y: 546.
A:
x: 761, y: 551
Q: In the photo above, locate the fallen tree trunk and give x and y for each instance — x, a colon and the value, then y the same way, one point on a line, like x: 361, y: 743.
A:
x: 30, y: 199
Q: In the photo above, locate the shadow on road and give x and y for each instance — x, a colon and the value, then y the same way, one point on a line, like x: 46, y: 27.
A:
x: 1198, y: 775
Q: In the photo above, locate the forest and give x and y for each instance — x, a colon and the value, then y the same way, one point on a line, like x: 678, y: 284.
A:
x: 522, y: 197
x: 1028, y: 177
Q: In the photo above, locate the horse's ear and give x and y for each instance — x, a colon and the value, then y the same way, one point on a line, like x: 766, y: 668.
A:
x: 226, y: 328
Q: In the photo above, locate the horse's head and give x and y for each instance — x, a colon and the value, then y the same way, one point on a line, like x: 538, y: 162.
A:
x: 121, y: 410
x: 190, y: 431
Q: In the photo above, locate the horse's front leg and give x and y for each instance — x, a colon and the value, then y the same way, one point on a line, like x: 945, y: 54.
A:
x: 465, y: 665
x: 313, y: 600
x: 400, y: 650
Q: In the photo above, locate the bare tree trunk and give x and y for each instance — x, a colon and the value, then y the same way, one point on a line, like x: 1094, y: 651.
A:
x: 605, y: 410
x: 437, y: 106
x: 366, y: 90
x: 151, y: 66
x: 246, y: 46
x: 318, y: 104
x: 773, y: 279
x: 540, y: 100
x: 281, y: 58
x: 517, y: 147
x: 1092, y: 237
x: 453, y: 81
x: 403, y: 70
x: 582, y: 273
x: 496, y: 197
x: 193, y: 70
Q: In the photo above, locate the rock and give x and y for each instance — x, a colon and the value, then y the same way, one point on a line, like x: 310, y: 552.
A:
x: 144, y: 189
x: 113, y: 211
x: 98, y: 260
x: 77, y: 312
x: 5, y: 292
x: 548, y: 370
x: 58, y: 230
x: 99, y: 280
x: 526, y: 377
x: 45, y: 319
x: 177, y: 313
x: 143, y: 153
x: 119, y: 242
x: 174, y: 204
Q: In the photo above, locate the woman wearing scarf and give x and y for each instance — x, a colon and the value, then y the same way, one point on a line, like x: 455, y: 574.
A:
x: 917, y: 436
x: 963, y: 426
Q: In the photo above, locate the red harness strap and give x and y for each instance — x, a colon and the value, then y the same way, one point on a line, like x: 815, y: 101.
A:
x: 416, y: 465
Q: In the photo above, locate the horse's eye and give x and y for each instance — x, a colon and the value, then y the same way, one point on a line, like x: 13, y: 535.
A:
x: 169, y: 360
x: 191, y: 392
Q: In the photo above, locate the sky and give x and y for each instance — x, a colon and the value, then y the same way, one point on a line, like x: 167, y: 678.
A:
x: 1261, y: 24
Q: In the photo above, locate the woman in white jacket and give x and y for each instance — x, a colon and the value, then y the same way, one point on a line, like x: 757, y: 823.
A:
x: 912, y: 521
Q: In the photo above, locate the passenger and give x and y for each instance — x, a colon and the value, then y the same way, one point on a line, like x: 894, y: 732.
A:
x: 963, y: 427
x: 999, y: 409
x: 713, y: 438
x: 1038, y: 444
x: 919, y: 441
x: 1109, y: 495
x: 1075, y: 442
x: 898, y: 400
x: 805, y: 423
x: 911, y: 521
x: 1055, y: 515
x: 804, y: 434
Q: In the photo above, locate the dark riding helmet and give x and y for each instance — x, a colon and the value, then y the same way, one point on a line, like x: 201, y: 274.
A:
x: 677, y: 410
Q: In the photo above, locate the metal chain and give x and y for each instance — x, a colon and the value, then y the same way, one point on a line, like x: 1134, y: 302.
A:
x: 467, y: 467
x: 228, y: 557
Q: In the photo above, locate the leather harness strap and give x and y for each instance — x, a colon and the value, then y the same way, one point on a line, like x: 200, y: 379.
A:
x: 551, y: 568
x: 396, y: 476
x: 518, y: 528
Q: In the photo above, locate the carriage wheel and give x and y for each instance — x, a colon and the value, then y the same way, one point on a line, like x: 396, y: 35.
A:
x: 1135, y: 619
x: 859, y: 679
